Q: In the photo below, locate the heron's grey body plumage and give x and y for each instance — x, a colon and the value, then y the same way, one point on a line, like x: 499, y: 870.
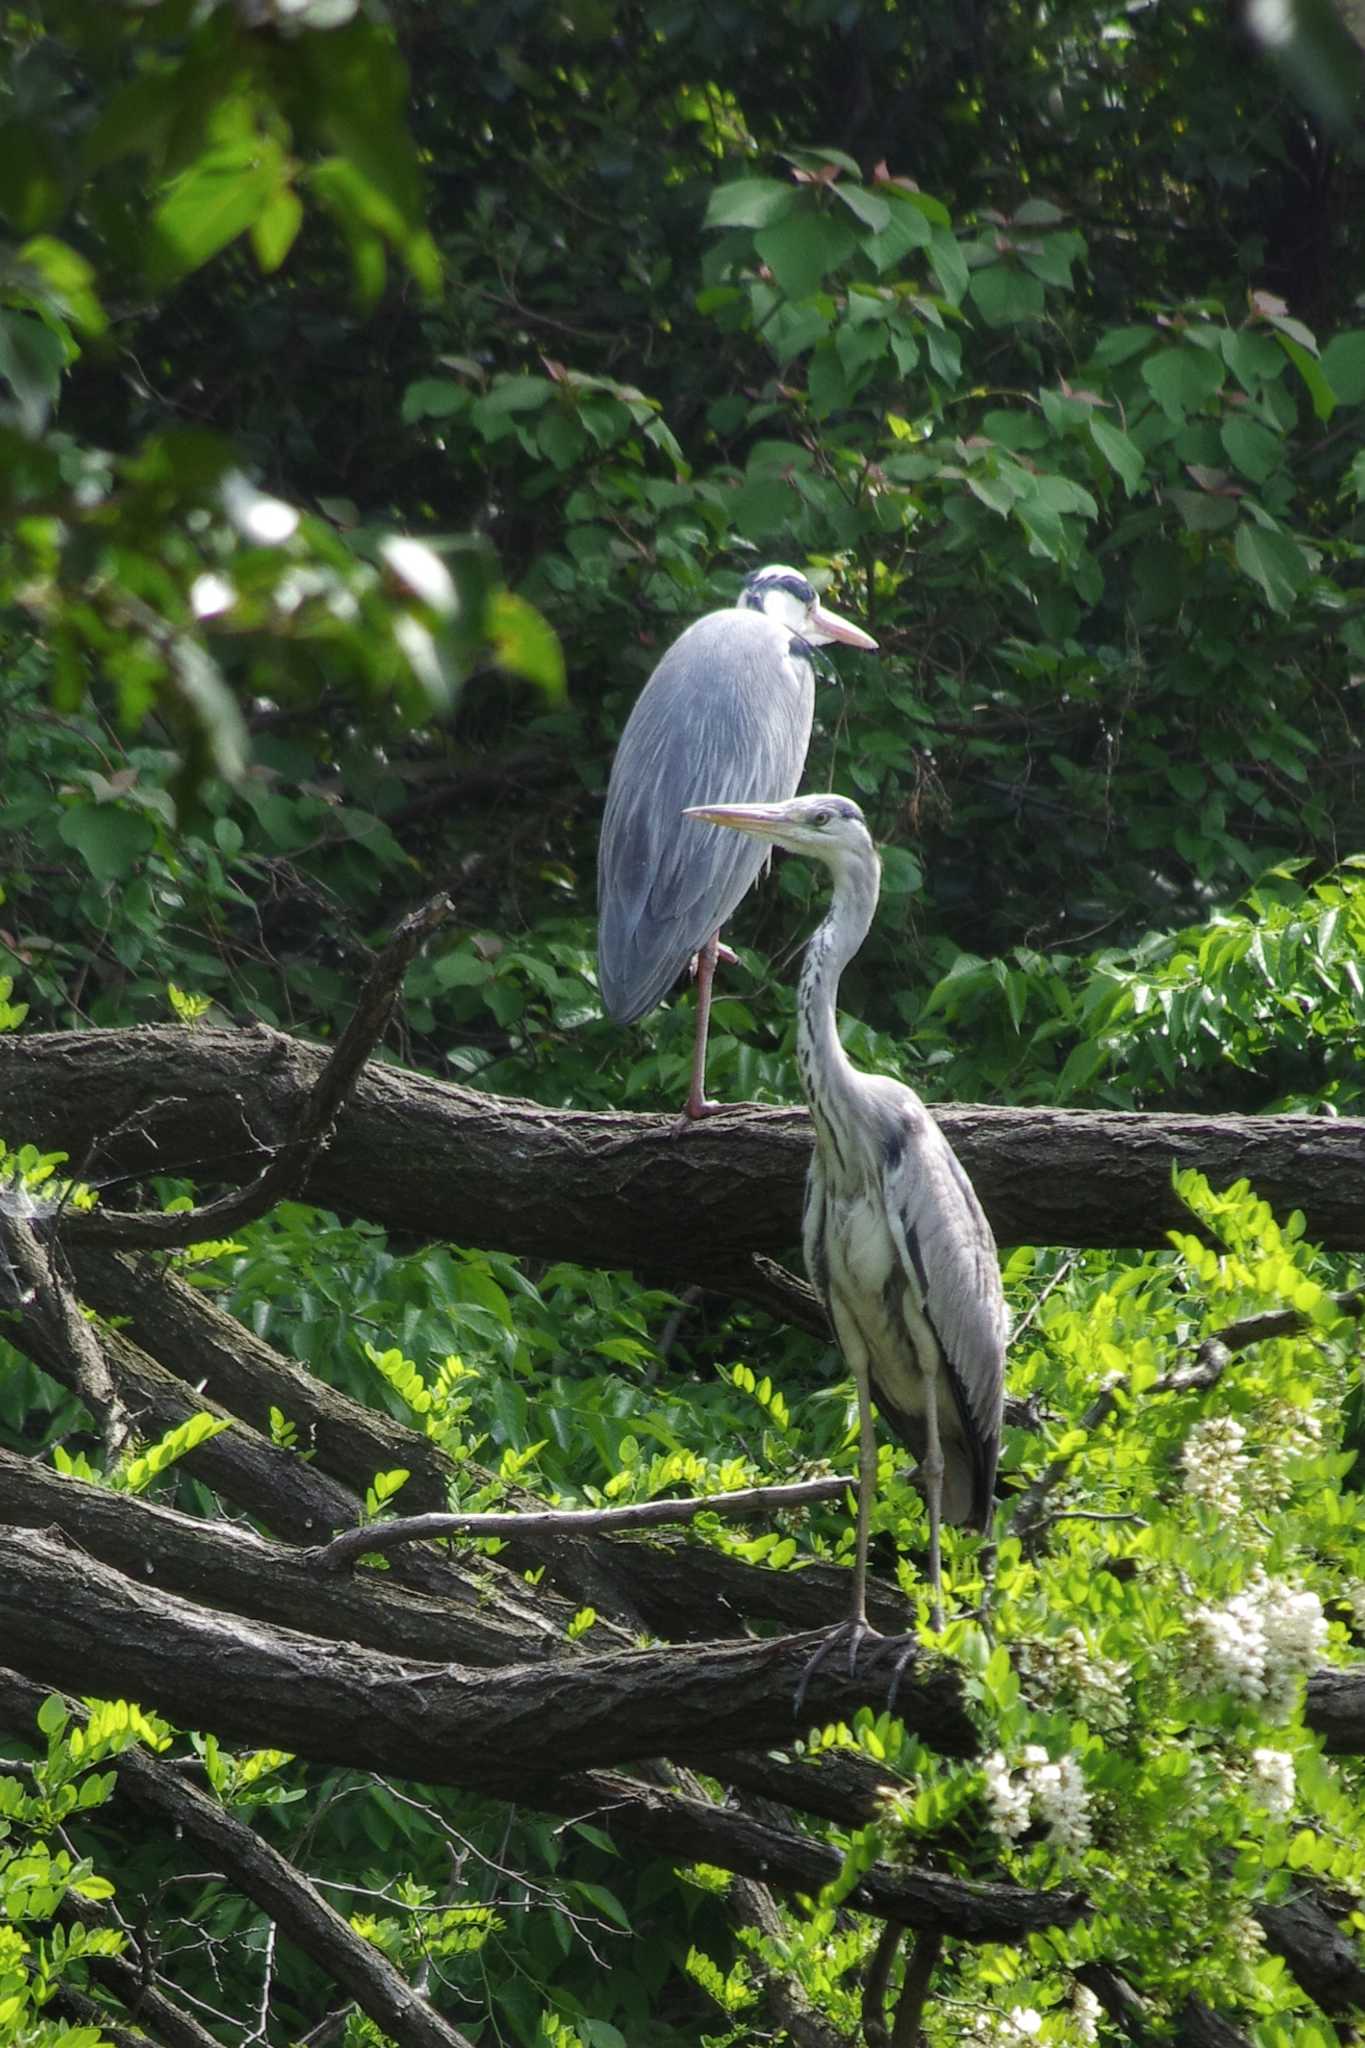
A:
x: 896, y: 1242
x: 662, y: 893
x: 726, y: 715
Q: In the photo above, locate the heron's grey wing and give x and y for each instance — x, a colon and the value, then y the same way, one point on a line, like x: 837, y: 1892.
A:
x: 725, y: 718
x: 948, y: 1256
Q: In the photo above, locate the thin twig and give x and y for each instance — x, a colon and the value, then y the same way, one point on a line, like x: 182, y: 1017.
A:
x: 383, y: 1537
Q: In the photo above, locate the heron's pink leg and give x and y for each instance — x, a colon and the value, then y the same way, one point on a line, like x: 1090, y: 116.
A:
x: 698, y: 1103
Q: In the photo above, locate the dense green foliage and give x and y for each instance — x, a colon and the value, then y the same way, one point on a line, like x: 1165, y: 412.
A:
x: 349, y: 359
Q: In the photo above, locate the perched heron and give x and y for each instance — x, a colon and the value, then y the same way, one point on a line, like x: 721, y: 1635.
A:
x: 895, y: 1240
x: 726, y: 715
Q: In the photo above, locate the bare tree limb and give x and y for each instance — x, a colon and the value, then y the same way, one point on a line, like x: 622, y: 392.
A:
x: 908, y: 2028
x: 692, y: 1829
x: 333, y: 1703
x: 530, y: 1525
x: 229, y: 1566
x: 1324, y: 1961
x: 607, y: 1189
x: 1199, y: 2026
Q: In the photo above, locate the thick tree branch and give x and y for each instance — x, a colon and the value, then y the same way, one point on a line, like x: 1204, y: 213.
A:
x: 227, y: 1566
x: 691, y: 1829
x: 276, y: 1886
x: 333, y: 1703
x: 607, y: 1189
x: 1323, y: 1960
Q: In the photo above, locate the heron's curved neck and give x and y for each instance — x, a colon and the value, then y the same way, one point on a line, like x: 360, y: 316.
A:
x: 827, y: 1074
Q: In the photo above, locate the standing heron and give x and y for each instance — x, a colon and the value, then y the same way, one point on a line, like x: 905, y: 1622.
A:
x: 895, y: 1240
x: 726, y: 715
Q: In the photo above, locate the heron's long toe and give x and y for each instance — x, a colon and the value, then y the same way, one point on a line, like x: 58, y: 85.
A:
x: 858, y: 1629
x: 693, y: 1110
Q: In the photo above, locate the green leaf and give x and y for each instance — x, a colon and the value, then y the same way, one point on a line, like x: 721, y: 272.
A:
x: 275, y: 227
x: 110, y: 840
x: 906, y: 228
x: 1005, y: 296
x: 902, y: 874
x: 1274, y: 561
x: 433, y: 398
x: 872, y: 210
x: 52, y: 1715
x: 31, y: 362
x: 1120, y: 344
x: 1252, y: 448
x: 800, y: 251
x: 1310, y: 369
x: 749, y: 203
x: 1182, y: 379
x: 214, y: 201
x: 1343, y: 365
x: 1121, y: 452
x: 69, y: 278
x: 525, y: 643
x: 950, y: 265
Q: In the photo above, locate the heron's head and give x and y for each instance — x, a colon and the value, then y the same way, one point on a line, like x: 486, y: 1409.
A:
x: 827, y: 828
x: 791, y: 599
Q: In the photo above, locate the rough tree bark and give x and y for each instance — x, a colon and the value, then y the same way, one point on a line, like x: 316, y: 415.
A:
x: 427, y: 1159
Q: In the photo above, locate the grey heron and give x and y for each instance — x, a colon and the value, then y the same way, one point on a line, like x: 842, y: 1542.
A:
x: 725, y: 716
x: 895, y: 1240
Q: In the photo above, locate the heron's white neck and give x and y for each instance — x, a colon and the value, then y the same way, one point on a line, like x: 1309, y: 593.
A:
x: 828, y: 1076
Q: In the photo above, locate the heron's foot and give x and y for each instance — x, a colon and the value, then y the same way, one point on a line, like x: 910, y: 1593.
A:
x: 856, y: 1631
x: 694, y: 1109
x: 727, y: 954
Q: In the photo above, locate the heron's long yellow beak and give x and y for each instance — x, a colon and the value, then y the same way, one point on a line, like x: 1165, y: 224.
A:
x: 829, y: 626
x: 763, y: 820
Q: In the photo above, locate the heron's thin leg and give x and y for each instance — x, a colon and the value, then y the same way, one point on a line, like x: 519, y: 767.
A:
x: 931, y: 1466
x: 697, y: 1103
x: 867, y: 1486
x: 857, y: 1627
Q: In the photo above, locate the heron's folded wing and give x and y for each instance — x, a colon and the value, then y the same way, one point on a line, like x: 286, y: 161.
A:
x: 718, y: 722
x: 948, y: 1254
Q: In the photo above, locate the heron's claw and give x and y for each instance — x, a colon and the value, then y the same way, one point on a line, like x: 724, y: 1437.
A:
x: 693, y: 1110
x: 858, y: 1629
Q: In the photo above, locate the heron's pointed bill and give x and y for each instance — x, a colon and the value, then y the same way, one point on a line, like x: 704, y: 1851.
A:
x: 829, y: 626
x: 764, y: 821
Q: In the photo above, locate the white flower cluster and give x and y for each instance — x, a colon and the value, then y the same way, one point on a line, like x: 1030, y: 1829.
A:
x: 1215, y: 1464
x: 1085, y: 2013
x: 1022, y: 2023
x: 1006, y: 1797
x: 1272, y: 1780
x: 1053, y: 1793
x: 1260, y: 1643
